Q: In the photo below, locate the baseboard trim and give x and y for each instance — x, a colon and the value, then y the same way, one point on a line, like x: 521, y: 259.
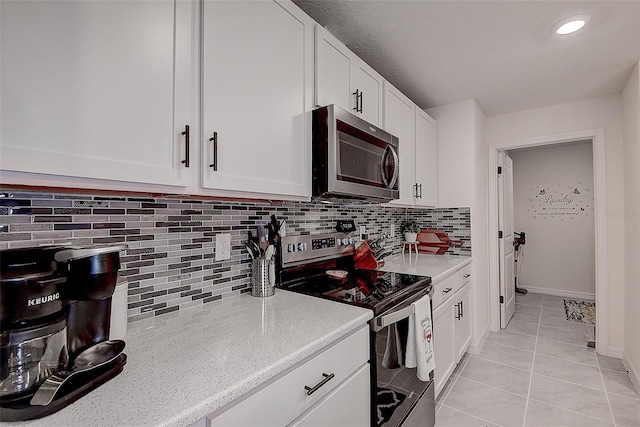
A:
x: 614, y: 352
x: 633, y: 372
x: 476, y: 345
x: 561, y: 293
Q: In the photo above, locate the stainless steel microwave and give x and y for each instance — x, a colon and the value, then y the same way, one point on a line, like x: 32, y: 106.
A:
x: 352, y: 159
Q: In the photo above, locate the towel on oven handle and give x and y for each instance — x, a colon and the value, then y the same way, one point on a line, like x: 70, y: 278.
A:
x: 420, y: 339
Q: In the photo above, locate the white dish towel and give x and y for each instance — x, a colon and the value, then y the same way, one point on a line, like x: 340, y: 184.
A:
x: 420, y: 339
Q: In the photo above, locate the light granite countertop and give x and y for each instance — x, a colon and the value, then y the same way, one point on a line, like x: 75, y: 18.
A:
x: 187, y: 364
x: 438, y: 267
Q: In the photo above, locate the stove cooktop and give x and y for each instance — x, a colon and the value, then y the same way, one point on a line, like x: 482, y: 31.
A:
x: 371, y: 289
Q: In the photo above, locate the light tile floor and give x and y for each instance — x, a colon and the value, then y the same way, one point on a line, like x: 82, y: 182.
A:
x: 539, y: 372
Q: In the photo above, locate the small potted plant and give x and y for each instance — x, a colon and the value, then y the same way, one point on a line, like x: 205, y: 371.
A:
x: 410, y: 228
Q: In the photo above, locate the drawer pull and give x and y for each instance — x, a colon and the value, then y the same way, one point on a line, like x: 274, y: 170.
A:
x: 466, y: 276
x: 446, y: 291
x: 326, y: 379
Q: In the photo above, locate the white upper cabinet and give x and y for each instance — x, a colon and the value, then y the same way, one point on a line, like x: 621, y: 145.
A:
x: 97, y: 89
x: 345, y: 80
x: 257, y: 74
x: 425, y: 159
x: 398, y: 120
x: 416, y: 132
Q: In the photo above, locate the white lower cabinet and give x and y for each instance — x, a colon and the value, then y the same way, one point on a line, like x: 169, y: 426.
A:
x: 333, y: 385
x: 463, y: 320
x: 451, y: 323
x: 346, y: 405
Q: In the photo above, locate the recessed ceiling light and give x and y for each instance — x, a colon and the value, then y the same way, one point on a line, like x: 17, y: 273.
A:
x: 570, y: 25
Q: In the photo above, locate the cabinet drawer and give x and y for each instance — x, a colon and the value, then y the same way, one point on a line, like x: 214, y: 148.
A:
x: 463, y: 276
x: 443, y: 290
x: 285, y: 399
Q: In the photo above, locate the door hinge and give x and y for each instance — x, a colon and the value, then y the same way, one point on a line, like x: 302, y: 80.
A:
x: 501, y: 299
x: 499, y: 170
x: 499, y: 234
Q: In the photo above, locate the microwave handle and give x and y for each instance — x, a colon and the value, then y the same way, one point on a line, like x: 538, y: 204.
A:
x: 392, y: 182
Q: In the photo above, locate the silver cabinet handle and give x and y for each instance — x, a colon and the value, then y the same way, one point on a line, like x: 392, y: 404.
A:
x: 458, y: 314
x: 446, y: 291
x: 466, y: 276
x: 311, y: 390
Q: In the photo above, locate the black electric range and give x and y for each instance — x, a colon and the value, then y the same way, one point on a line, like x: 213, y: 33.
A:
x: 322, y: 266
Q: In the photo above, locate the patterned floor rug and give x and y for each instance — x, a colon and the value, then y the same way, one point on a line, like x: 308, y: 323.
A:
x: 388, y: 401
x: 580, y: 311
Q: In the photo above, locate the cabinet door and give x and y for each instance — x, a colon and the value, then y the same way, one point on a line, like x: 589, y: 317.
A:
x: 463, y: 320
x: 348, y: 405
x: 425, y: 159
x: 444, y: 343
x: 257, y: 97
x: 398, y: 120
x: 97, y: 89
x: 333, y: 71
x: 368, y: 85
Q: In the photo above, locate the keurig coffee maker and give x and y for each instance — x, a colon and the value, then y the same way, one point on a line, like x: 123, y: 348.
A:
x: 55, y: 306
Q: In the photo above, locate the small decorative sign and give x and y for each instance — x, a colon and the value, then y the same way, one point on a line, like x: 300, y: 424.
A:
x: 560, y: 202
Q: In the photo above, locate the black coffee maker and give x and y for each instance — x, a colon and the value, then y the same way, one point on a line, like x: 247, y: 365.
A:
x: 55, y: 303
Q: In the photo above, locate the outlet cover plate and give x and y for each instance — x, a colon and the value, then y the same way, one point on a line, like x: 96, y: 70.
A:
x: 223, y: 247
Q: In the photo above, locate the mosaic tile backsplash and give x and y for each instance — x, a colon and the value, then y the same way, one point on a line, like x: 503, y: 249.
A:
x: 170, y: 262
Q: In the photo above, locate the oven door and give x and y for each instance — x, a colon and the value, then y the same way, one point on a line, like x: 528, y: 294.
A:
x: 399, y: 397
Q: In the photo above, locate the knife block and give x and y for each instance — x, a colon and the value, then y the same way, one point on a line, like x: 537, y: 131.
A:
x: 364, y: 259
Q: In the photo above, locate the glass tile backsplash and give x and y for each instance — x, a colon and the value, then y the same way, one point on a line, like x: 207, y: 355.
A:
x: 170, y: 262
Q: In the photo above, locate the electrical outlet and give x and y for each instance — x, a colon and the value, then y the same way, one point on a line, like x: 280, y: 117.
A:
x: 392, y: 233
x: 223, y: 247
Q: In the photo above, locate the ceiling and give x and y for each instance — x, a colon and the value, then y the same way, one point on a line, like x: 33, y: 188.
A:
x: 501, y: 53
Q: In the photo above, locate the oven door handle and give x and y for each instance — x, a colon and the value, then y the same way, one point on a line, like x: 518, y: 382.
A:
x: 390, y: 183
x: 389, y: 319
x: 403, y: 312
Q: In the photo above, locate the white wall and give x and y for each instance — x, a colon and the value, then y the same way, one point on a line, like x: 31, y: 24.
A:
x: 631, y: 116
x: 505, y: 131
x: 462, y: 182
x: 553, y: 205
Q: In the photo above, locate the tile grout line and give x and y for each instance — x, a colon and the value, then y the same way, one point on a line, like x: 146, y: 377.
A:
x: 606, y: 393
x: 454, y: 383
x: 533, y: 363
x: 476, y: 417
x: 570, y: 410
x: 567, y: 360
x: 499, y: 363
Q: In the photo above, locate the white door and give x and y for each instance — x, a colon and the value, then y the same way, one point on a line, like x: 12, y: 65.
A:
x: 444, y: 343
x: 398, y: 121
x: 505, y: 227
x: 97, y: 89
x: 425, y: 159
x: 333, y: 72
x: 257, y: 97
x: 368, y: 84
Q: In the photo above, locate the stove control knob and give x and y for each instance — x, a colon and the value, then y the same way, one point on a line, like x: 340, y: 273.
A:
x: 302, y: 246
x: 352, y: 240
x: 291, y: 247
x: 345, y: 241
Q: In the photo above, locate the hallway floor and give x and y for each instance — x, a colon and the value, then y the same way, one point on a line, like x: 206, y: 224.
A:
x: 539, y: 373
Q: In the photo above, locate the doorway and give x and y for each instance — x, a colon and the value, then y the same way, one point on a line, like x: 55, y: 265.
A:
x: 599, y: 203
